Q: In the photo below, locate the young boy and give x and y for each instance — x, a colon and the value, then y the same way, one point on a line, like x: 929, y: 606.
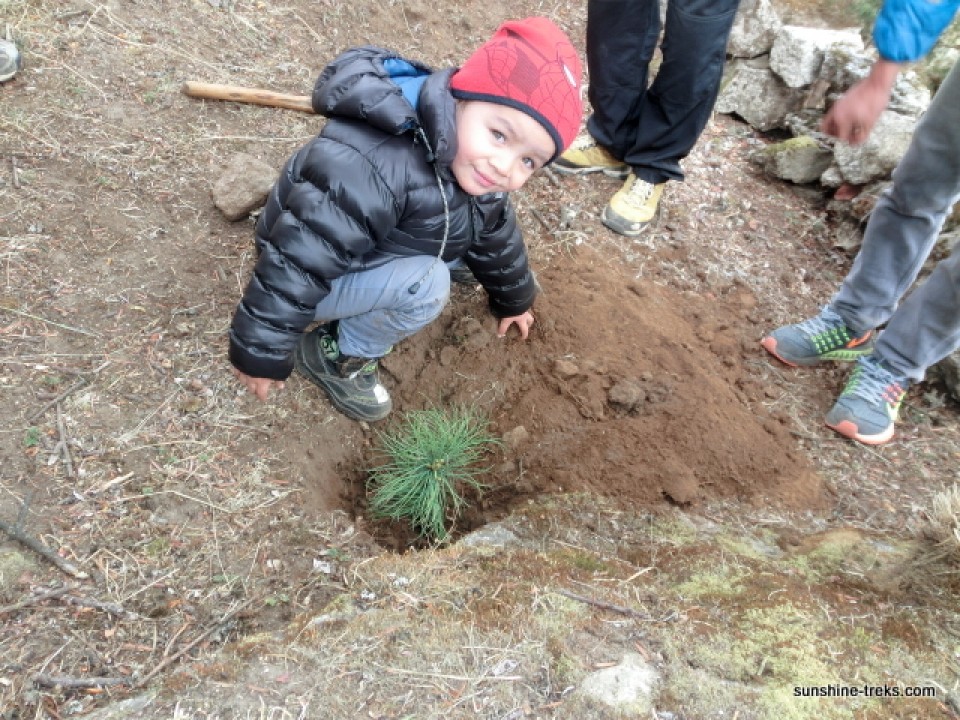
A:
x: 410, y: 173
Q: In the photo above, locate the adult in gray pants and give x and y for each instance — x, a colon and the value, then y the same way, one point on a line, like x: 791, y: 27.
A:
x: 900, y: 234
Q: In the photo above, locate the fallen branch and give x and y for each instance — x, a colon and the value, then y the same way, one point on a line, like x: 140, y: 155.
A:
x: 67, y: 681
x: 15, y: 533
x: 34, y: 599
x: 108, y: 607
x: 81, y: 383
x: 192, y: 644
x: 605, y: 605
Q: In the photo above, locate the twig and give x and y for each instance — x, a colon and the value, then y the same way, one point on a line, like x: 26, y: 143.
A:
x: 81, y: 331
x: 192, y: 644
x: 551, y: 176
x: 63, y: 444
x: 129, y: 435
x: 543, y: 221
x: 81, y: 383
x: 107, y: 607
x: 605, y: 605
x: 67, y: 681
x: 14, y: 172
x: 33, y: 599
x: 41, y: 549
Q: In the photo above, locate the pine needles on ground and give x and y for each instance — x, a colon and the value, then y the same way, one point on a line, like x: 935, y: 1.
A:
x: 431, y: 457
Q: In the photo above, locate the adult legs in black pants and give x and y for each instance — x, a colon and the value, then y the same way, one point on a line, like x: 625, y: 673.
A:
x: 640, y: 128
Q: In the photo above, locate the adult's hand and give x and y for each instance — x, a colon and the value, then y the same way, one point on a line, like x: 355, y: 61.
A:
x: 852, y: 117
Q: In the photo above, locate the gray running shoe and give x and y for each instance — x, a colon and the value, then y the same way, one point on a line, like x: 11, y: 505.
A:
x: 820, y: 338
x: 867, y: 408
x: 351, y: 383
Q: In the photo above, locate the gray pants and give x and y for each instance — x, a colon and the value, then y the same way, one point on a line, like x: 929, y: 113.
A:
x: 901, y: 232
x: 380, y: 307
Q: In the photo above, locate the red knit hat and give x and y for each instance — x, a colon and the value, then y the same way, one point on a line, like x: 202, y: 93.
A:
x: 532, y: 66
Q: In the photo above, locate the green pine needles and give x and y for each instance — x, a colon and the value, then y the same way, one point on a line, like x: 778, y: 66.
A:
x: 430, y: 457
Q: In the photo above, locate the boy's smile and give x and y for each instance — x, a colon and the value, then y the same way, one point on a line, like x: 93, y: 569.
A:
x: 499, y: 147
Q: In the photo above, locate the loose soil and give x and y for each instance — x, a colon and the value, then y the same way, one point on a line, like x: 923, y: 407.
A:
x: 129, y: 449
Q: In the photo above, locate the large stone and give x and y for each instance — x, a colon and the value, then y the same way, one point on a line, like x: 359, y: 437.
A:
x: 875, y: 158
x: 630, y: 686
x: 754, y: 29
x: 798, y: 52
x: 243, y: 186
x: 753, y: 93
x: 800, y: 159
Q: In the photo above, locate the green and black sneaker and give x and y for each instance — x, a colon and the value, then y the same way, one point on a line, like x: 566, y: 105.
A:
x: 351, y: 383
x: 818, y: 339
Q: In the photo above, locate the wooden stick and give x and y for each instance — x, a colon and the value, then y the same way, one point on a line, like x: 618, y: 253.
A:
x: 34, y: 599
x: 255, y: 96
x: 41, y: 549
x: 193, y: 643
x: 67, y: 681
x: 604, y: 604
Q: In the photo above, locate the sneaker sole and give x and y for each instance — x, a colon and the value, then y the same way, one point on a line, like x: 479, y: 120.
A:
x: 351, y: 410
x: 615, y: 172
x: 625, y: 228
x: 849, y: 429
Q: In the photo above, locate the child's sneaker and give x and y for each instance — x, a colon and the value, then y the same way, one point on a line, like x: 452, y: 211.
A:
x: 586, y: 156
x: 867, y: 408
x: 351, y: 383
x: 633, y: 207
x: 822, y: 337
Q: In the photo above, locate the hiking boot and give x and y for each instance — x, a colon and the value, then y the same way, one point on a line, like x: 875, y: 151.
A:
x: 351, y: 383
x: 867, y: 408
x: 633, y: 206
x: 820, y: 338
x: 586, y: 156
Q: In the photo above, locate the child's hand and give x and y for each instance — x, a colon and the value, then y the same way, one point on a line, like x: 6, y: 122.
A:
x: 523, y: 322
x: 258, y: 386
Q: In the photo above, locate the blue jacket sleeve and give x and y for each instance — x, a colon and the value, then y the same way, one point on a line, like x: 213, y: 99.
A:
x: 906, y: 30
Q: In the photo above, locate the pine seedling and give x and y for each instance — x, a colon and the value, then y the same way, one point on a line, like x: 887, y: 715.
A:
x: 430, y: 458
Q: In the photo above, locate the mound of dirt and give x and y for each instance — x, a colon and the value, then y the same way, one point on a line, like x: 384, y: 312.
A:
x: 624, y: 388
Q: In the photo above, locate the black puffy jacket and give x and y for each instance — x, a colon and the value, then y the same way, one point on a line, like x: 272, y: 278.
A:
x: 366, y: 190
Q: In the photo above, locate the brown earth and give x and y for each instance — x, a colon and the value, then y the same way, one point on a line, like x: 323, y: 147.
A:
x: 129, y: 449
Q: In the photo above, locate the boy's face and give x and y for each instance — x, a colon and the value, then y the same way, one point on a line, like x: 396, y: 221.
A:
x: 499, y: 147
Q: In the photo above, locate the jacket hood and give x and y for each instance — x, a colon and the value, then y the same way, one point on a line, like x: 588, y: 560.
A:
x: 392, y: 94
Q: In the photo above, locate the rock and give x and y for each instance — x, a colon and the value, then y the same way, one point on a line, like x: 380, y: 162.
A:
x: 492, y: 535
x: 564, y: 369
x: 131, y: 707
x: 516, y: 437
x: 949, y: 369
x: 243, y: 186
x: 630, y: 686
x: 798, y: 52
x: 754, y: 29
x: 448, y: 355
x: 757, y: 95
x: 799, y: 160
x: 875, y: 158
x: 627, y: 395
